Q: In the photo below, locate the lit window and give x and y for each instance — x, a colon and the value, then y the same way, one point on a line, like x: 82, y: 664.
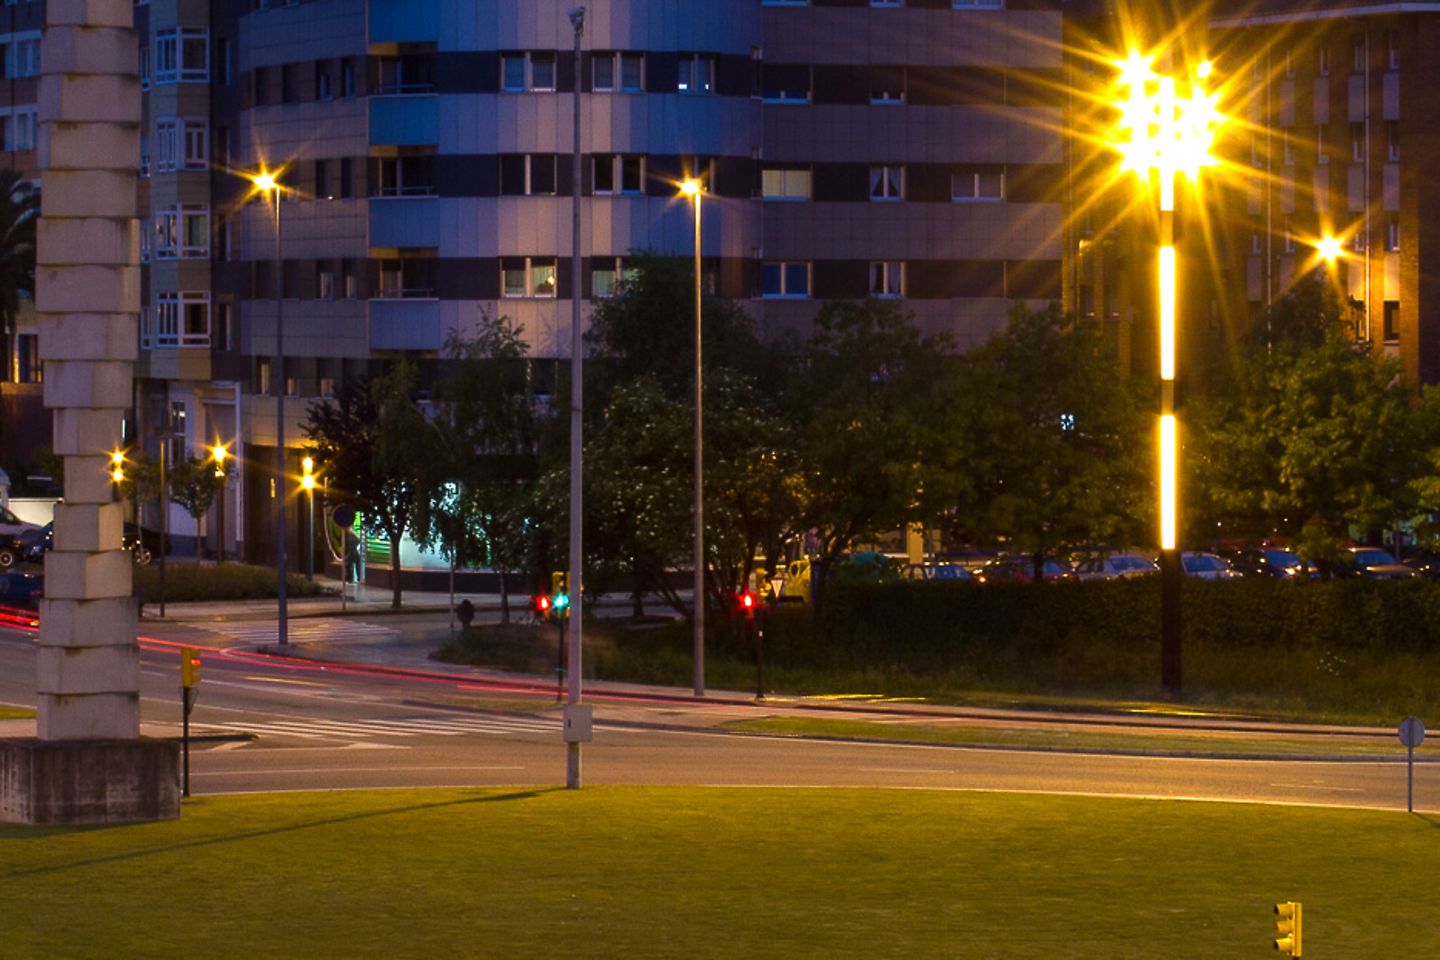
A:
x: 783, y: 184
x: 528, y: 277
x: 782, y: 279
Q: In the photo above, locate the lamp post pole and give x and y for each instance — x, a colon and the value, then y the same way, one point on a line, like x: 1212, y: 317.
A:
x: 577, y: 409
x: 282, y: 632
x: 694, y: 189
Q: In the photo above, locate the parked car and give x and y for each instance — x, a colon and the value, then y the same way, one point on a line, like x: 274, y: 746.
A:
x: 937, y: 571
x: 21, y: 590
x: 10, y: 551
x: 13, y: 526
x: 1376, y: 564
x: 35, y: 543
x: 1422, y: 561
x: 1021, y: 570
x: 1115, y: 566
x: 1207, y: 566
x: 1269, y: 562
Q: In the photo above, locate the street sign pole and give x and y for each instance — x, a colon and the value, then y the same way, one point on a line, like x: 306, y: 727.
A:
x: 1412, y: 734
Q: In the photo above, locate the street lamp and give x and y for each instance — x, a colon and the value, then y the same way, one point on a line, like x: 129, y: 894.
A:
x: 694, y: 189
x: 218, y: 453
x: 266, y: 183
x: 307, y: 483
x: 1162, y: 133
x: 576, y: 723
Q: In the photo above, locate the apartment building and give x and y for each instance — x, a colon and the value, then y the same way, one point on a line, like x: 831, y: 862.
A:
x: 890, y: 148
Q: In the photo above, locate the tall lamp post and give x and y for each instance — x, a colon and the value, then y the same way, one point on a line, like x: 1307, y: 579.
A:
x: 218, y: 453
x: 576, y: 723
x: 694, y: 189
x: 272, y: 188
x: 1163, y: 134
x: 307, y: 483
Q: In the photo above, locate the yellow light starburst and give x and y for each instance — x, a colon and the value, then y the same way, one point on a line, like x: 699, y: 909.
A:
x: 1159, y: 129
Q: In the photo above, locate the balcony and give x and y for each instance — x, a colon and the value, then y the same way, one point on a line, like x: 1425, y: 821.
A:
x: 404, y: 221
x: 405, y: 325
x: 404, y: 21
x: 404, y: 120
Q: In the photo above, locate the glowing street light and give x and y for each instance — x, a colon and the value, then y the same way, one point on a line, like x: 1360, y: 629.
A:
x: 1162, y: 134
x: 218, y: 453
x: 117, y: 467
x: 1330, y: 249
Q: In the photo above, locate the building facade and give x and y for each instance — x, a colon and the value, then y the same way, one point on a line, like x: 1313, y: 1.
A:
x: 891, y: 148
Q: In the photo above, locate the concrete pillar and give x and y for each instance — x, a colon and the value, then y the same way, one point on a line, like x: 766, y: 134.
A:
x: 89, y: 763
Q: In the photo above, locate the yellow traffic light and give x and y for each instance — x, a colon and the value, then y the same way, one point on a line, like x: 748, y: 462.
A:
x: 189, y: 667
x: 1288, y: 926
x: 307, y: 473
x: 117, y: 466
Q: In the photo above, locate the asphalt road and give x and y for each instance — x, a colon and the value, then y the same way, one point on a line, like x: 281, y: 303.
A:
x: 264, y: 725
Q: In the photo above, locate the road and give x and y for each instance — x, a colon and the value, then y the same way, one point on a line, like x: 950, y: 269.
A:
x: 266, y: 724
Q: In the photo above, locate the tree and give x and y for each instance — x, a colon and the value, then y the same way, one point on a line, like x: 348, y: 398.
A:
x: 859, y: 408
x: 372, y: 439
x: 19, y: 212
x: 477, y: 482
x: 1309, y: 442
x: 194, y: 485
x: 1056, y: 440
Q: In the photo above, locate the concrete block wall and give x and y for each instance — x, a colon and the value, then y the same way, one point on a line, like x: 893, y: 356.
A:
x: 87, y: 300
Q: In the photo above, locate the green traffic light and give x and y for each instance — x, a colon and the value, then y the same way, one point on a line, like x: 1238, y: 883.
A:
x: 561, y: 601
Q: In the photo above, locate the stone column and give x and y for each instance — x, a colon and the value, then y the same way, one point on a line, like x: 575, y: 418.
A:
x: 89, y: 764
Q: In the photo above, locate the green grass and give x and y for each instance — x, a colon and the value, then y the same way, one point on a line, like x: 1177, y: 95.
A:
x: 1047, y: 738
x: 717, y: 873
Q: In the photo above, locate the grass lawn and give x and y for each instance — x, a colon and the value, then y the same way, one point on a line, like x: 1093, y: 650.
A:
x: 1137, y: 740
x: 717, y: 873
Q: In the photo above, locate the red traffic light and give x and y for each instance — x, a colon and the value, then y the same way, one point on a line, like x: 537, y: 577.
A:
x: 747, y: 600
x: 542, y: 603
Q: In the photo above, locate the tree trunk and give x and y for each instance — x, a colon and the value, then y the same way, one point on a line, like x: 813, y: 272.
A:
x: 504, y: 598
x: 395, y: 570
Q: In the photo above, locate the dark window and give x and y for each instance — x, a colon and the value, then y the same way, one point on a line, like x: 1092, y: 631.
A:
x: 289, y: 84
x: 347, y: 77
x: 323, y: 88
x: 347, y: 177
x: 258, y: 91
x: 322, y: 180
x: 542, y: 173
x: 1392, y: 320
x: 785, y: 83
x: 512, y: 175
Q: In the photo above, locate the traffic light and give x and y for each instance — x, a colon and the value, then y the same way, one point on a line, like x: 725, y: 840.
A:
x: 307, y: 473
x: 1288, y: 926
x: 189, y: 667
x: 747, y: 604
x: 542, y: 606
x: 560, y: 592
x: 117, y: 467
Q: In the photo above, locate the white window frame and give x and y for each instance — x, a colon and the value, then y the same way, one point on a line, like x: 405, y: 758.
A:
x: 169, y: 53
x: 790, y: 179
x: 887, y: 279
x: 532, y: 269
x: 172, y: 223
x: 170, y: 315
x: 20, y: 126
x: 784, y: 267
x: 972, y: 181
x: 21, y: 54
x: 891, y: 189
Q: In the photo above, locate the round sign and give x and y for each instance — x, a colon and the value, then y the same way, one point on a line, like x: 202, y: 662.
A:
x: 344, y: 516
x: 1412, y: 731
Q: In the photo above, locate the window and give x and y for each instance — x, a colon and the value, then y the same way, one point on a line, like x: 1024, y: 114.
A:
x: 527, y: 174
x: 1357, y: 241
x: 407, y: 278
x: 259, y: 87
x: 182, y: 54
x: 324, y: 281
x: 542, y: 71
x: 322, y: 180
x: 1392, y: 140
x: 222, y: 146
x: 20, y: 129
x: 887, y: 85
x: 1289, y: 63
x: 976, y: 4
x: 1287, y: 149
x: 324, y: 90
x: 616, y: 173
x: 697, y: 74
x: 145, y: 68
x: 1357, y: 142
x: 414, y: 73
x: 1322, y: 60
x: 608, y: 275
x: 222, y: 61
x: 1254, y: 243
x: 785, y: 279
x: 347, y: 78
x: 146, y: 243
x: 782, y: 184
x: 22, y: 57
x: 512, y: 72
x: 886, y: 3
x: 407, y: 176
x: 1358, y: 53
x: 785, y: 84
x: 144, y: 154
x: 1392, y: 235
x: 1287, y: 244
x: 632, y: 72
x: 348, y: 280
x: 528, y: 277
x: 977, y: 184
x: 887, y: 183
x: 784, y: 3
x: 181, y: 144
x: 347, y: 178
x: 1320, y: 155
x: 182, y: 319
x: 602, y: 72
x: 1392, y: 50
x: 887, y: 278
x: 220, y: 326
x: 182, y: 231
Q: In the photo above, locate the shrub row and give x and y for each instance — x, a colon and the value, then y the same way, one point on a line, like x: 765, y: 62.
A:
x: 188, y: 581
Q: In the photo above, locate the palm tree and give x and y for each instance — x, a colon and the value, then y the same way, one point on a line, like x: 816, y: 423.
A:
x: 19, y: 211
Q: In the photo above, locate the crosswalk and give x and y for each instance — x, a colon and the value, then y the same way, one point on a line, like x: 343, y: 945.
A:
x: 365, y: 729
x: 326, y: 630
